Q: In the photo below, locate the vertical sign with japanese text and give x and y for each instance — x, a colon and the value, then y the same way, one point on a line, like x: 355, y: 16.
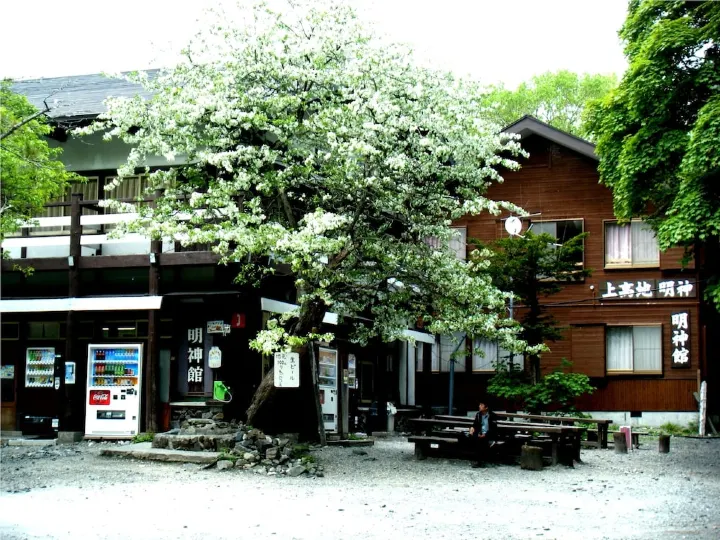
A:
x: 196, y: 361
x: 680, y: 339
x: 287, y: 370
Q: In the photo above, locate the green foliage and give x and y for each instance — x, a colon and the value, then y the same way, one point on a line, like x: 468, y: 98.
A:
x: 668, y: 428
x: 228, y: 456
x: 143, y: 437
x: 556, y: 391
x: 657, y: 132
x: 29, y: 169
x: 556, y: 98
x: 532, y: 267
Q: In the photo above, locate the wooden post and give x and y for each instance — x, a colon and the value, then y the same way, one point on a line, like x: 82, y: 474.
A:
x: 65, y: 400
x: 703, y: 410
x: 664, y: 444
x: 603, y: 435
x: 427, y: 379
x: 531, y: 458
x: 152, y: 398
x: 620, y: 441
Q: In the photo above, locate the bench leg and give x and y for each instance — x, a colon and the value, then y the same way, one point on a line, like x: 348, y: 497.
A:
x: 603, y: 436
x: 554, y: 439
x: 576, y: 447
x: 420, y: 451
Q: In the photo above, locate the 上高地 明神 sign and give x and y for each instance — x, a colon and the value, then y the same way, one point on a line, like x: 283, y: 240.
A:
x: 646, y: 289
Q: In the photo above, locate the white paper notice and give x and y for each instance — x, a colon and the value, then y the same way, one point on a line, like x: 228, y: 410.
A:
x: 287, y: 370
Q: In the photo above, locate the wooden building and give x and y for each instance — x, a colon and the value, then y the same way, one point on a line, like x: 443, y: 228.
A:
x: 177, y: 302
x: 637, y: 326
x: 622, y: 324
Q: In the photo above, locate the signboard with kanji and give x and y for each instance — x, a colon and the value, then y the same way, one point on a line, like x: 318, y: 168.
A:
x: 680, y: 339
x: 287, y: 370
x: 643, y: 289
x: 196, y: 361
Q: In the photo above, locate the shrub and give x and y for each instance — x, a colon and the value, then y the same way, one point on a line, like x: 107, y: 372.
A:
x: 557, y: 390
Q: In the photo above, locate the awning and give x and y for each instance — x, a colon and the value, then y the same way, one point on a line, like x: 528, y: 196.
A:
x: 275, y: 306
x: 103, y: 303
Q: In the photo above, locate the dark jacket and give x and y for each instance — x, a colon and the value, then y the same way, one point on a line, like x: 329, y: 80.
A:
x: 492, y: 425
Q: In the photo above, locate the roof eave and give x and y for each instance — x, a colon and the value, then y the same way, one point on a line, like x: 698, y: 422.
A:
x: 529, y: 125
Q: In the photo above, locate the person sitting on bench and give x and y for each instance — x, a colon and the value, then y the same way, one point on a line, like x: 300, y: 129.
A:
x: 482, y: 433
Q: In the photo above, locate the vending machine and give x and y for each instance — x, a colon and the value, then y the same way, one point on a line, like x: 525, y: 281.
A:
x: 114, y: 384
x: 327, y: 380
x: 39, y: 367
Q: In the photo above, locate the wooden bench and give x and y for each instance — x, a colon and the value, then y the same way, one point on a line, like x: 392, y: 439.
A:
x: 454, y: 428
x: 423, y: 443
x: 601, y: 430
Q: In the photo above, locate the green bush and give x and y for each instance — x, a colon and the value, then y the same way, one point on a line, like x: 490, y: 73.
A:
x: 556, y: 391
x: 143, y: 437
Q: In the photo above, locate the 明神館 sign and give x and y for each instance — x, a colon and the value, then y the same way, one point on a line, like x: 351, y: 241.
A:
x: 680, y: 339
x: 639, y: 289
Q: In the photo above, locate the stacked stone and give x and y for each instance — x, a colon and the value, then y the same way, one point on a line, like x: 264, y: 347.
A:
x: 247, y: 448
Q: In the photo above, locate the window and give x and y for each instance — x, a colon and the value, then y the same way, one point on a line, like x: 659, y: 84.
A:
x: 458, y: 242
x: 46, y: 330
x: 562, y: 230
x: 448, y: 346
x: 89, y: 190
x: 629, y: 245
x: 491, y: 354
x: 634, y: 349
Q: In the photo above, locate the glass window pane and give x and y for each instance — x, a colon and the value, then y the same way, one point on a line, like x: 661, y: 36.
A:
x: 647, y: 348
x: 450, y: 344
x: 545, y: 227
x: 619, y: 348
x: 617, y: 244
x: 645, y: 249
x: 489, y: 349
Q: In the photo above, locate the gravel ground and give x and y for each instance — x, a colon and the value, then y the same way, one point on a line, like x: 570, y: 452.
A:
x: 72, y: 492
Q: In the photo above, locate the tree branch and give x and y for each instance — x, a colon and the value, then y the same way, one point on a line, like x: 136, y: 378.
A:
x: 23, y: 122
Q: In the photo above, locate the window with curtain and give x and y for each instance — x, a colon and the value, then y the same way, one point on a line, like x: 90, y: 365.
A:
x: 89, y: 190
x: 457, y: 244
x: 634, y: 349
x: 487, y: 353
x: 633, y: 244
x: 442, y: 355
x: 562, y: 231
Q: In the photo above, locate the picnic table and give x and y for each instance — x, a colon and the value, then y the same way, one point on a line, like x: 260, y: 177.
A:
x: 602, y: 424
x: 449, y: 432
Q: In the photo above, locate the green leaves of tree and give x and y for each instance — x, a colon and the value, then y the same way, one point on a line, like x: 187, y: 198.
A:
x: 557, y: 99
x: 657, y: 133
x: 30, y: 172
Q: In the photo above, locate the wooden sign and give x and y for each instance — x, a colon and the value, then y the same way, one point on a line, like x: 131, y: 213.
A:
x: 645, y: 289
x: 680, y: 339
x: 287, y: 370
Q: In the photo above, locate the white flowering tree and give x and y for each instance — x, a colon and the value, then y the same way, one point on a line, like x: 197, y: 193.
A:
x: 305, y: 140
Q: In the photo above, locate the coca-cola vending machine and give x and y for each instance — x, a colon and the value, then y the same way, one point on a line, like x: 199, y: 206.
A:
x: 113, y: 396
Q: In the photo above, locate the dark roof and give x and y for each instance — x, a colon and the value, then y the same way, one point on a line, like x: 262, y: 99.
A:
x: 529, y: 125
x: 77, y: 96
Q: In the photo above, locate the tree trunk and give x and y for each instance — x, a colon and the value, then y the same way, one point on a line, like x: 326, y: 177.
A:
x: 316, y: 395
x: 310, y: 319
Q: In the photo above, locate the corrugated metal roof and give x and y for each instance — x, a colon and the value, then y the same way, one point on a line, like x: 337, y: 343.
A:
x: 77, y: 95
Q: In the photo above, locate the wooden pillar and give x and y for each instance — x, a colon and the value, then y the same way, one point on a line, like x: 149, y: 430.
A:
x: 427, y: 379
x: 152, y: 398
x: 68, y: 397
x: 382, y: 386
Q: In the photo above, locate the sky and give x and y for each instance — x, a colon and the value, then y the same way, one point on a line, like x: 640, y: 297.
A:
x: 494, y: 41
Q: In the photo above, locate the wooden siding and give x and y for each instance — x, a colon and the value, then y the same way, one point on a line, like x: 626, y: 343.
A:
x: 559, y: 184
x: 588, y: 350
x: 671, y: 259
x: 641, y: 395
